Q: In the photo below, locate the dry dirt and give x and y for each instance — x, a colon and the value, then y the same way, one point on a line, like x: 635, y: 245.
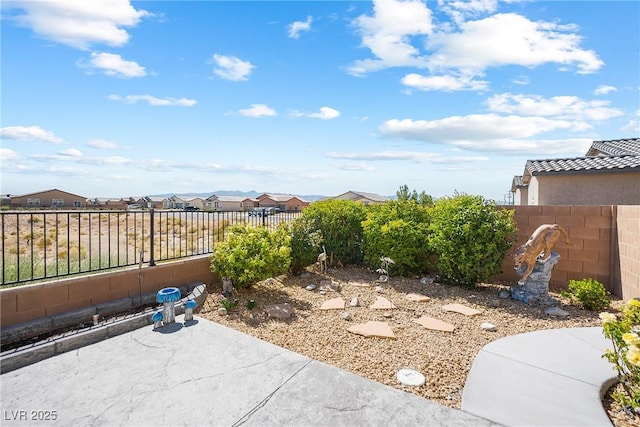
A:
x: 444, y: 358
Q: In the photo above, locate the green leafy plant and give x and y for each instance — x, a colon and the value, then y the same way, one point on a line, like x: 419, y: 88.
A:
x: 399, y: 230
x: 306, y: 243
x: 250, y: 254
x: 590, y: 293
x: 340, y: 225
x: 624, y: 333
x: 470, y: 237
x: 227, y: 303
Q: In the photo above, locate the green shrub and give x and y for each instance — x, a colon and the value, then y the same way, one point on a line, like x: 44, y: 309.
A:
x: 398, y: 230
x: 250, y: 254
x: 470, y: 237
x: 340, y: 224
x: 306, y: 244
x: 590, y: 293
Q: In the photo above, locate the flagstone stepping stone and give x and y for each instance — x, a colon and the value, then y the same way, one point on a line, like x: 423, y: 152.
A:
x: 462, y: 309
x: 417, y: 297
x: 373, y: 329
x: 410, y: 377
x: 382, y: 304
x: 435, y: 324
x: 333, y: 304
x: 279, y: 311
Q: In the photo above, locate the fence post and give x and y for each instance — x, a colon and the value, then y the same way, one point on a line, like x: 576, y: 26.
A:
x: 152, y: 258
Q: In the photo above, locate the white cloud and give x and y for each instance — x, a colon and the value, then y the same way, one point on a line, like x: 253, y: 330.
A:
x: 79, y: 23
x: 509, y: 39
x: 521, y: 80
x: 633, y: 127
x: 489, y: 132
x: 447, y: 83
x: 355, y: 167
x: 325, y: 113
x: 232, y: 68
x: 113, y: 65
x: 153, y: 101
x: 71, y: 152
x: 412, y: 156
x: 460, y: 10
x: 101, y: 144
x: 299, y: 26
x: 387, y: 34
x: 7, y: 155
x: 29, y: 133
x: 565, y: 107
x: 605, y: 89
x: 257, y: 110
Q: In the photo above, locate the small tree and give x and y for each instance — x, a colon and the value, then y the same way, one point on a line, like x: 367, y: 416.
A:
x: 470, y: 236
x: 250, y: 254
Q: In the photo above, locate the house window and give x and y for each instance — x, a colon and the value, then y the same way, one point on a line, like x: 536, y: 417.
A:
x: 33, y: 202
x: 77, y: 204
x: 57, y: 202
x: 216, y: 204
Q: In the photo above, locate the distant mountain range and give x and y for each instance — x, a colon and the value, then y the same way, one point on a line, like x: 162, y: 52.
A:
x: 252, y: 194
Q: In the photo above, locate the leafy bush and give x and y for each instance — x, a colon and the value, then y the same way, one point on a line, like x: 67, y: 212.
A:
x: 398, y: 230
x: 470, y: 237
x: 625, y: 356
x: 250, y: 254
x: 306, y: 244
x: 340, y: 224
x: 590, y: 293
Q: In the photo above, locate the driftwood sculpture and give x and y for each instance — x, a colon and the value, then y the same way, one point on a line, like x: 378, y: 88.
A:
x: 538, y: 247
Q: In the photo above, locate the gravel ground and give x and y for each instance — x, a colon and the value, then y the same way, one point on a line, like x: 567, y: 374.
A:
x: 444, y: 358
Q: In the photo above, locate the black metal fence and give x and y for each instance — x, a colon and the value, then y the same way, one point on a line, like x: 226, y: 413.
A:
x: 48, y: 244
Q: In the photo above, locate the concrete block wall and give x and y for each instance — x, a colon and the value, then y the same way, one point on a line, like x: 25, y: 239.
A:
x: 628, y: 243
x: 24, y: 303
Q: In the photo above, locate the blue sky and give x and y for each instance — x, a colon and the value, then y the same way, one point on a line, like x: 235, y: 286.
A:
x: 116, y: 98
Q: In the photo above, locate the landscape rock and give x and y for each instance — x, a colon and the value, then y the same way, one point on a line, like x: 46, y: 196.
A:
x: 435, y: 324
x: 354, y: 302
x: 310, y: 287
x: 462, y: 309
x: 373, y: 329
x: 410, y: 377
x: 346, y: 315
x: 279, y: 311
x: 489, y: 327
x: 557, y: 312
x: 333, y: 304
x: 504, y: 294
x: 222, y: 311
x: 426, y: 280
x: 380, y: 289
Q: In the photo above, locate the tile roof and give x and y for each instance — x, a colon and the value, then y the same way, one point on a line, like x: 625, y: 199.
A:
x: 518, y: 182
x: 597, y: 164
x: 615, y: 147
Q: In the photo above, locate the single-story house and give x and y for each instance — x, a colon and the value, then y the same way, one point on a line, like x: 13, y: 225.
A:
x: 229, y: 203
x: 608, y: 175
x: 49, y: 199
x: 107, y: 203
x: 156, y: 202
x: 362, y: 197
x: 182, y: 201
x: 284, y: 202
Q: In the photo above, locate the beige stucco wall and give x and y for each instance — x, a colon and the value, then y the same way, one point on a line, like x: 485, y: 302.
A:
x: 628, y: 263
x: 594, y: 189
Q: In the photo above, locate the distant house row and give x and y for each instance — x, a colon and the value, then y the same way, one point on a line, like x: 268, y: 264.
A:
x: 285, y: 202
x: 609, y: 174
